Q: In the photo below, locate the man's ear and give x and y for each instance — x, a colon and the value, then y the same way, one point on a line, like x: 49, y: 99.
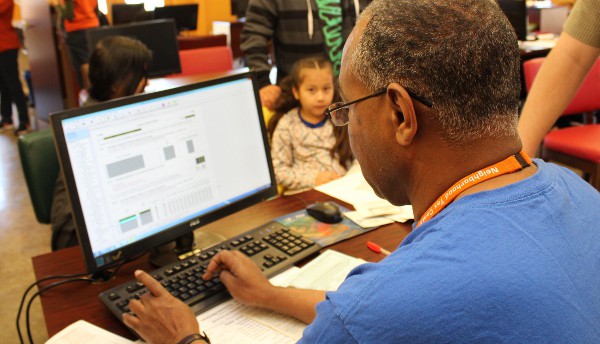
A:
x: 403, y: 117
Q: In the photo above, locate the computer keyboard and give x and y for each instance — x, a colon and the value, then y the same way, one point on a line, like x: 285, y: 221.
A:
x: 272, y: 246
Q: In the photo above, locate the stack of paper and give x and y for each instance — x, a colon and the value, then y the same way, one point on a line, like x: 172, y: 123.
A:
x: 371, y: 210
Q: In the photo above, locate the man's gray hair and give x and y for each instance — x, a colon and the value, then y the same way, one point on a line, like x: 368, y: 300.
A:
x: 462, y: 55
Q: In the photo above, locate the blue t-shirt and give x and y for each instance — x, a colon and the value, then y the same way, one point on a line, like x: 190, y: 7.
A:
x: 519, y: 264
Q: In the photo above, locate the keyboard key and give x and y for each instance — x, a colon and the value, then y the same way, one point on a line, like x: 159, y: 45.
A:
x: 113, y: 296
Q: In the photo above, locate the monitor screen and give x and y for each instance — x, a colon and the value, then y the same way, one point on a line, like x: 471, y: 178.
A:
x: 516, y: 12
x: 159, y: 36
x: 144, y: 170
x: 124, y: 14
x: 185, y: 16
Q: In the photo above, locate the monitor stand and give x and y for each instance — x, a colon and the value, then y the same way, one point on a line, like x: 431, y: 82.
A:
x: 170, y: 252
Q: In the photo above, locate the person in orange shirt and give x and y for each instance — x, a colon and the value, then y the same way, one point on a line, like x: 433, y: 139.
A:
x: 11, y: 89
x: 78, y: 16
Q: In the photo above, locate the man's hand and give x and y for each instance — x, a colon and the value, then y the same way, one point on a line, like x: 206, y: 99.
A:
x: 160, y: 317
x: 268, y: 96
x: 325, y: 177
x: 242, y: 277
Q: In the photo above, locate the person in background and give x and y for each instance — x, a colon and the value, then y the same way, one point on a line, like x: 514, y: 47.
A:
x: 11, y: 89
x: 504, y: 249
x: 117, y: 69
x: 562, y: 73
x: 307, y: 150
x: 78, y: 16
x: 297, y: 29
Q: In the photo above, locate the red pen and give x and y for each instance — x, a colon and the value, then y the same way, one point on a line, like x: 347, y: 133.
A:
x: 376, y: 248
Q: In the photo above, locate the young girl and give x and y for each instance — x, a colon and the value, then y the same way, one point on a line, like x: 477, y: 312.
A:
x: 307, y: 149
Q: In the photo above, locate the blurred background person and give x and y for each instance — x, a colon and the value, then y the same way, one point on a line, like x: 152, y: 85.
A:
x: 11, y: 90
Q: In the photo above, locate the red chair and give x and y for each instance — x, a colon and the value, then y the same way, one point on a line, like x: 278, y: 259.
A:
x: 577, y: 146
x: 205, y: 61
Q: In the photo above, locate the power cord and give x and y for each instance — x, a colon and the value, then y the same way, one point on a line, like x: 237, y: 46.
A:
x: 55, y: 284
x: 66, y: 279
x: 27, y: 292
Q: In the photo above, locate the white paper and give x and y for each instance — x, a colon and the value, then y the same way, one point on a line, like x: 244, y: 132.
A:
x: 371, y: 210
x: 82, y: 331
x: 326, y: 272
x: 351, y: 188
x: 232, y: 322
x: 367, y: 222
x: 228, y: 323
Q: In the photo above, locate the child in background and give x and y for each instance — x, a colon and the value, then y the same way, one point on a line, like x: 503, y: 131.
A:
x: 307, y: 149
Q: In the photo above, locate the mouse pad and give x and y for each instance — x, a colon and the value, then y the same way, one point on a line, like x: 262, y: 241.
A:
x: 324, y: 234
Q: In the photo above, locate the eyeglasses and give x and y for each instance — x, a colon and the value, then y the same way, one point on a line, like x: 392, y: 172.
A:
x: 339, y: 113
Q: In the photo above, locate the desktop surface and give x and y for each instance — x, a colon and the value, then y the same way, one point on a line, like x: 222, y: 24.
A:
x: 66, y: 304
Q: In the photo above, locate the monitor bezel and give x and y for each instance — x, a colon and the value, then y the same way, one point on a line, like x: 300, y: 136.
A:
x: 125, y: 8
x: 117, y: 29
x: 164, y: 11
x: 167, y: 235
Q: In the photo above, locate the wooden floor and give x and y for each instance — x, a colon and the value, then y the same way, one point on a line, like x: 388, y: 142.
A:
x: 21, y: 237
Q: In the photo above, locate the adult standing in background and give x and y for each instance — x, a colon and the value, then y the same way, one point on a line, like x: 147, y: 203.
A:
x: 562, y: 73
x: 11, y: 89
x: 78, y: 16
x: 298, y: 29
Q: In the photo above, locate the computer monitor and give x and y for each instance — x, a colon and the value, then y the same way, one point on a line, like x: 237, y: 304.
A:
x: 145, y: 170
x: 125, y: 14
x: 516, y: 12
x: 159, y: 36
x: 185, y: 16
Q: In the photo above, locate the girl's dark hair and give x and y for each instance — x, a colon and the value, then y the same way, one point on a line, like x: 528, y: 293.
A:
x: 115, y: 61
x: 286, y: 102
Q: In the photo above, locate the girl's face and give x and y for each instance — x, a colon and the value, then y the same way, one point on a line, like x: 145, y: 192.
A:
x: 315, y: 92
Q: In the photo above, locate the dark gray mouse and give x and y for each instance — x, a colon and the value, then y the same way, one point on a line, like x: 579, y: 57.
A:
x: 325, y: 212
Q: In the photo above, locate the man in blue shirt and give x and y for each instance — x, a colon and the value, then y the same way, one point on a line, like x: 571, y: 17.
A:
x: 505, y: 249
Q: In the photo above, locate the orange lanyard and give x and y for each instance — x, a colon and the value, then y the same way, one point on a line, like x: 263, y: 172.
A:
x: 509, y: 165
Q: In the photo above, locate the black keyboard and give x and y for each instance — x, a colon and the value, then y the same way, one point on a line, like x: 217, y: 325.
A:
x: 273, y: 247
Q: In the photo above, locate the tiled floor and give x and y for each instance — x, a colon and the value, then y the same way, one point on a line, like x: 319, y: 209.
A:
x: 21, y: 237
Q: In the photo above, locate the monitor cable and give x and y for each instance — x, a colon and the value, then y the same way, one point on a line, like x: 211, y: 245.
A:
x: 66, y: 279
x: 72, y: 276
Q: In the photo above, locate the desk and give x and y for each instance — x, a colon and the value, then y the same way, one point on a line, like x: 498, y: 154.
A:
x: 66, y: 304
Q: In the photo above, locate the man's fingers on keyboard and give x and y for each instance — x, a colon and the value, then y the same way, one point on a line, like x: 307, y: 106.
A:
x: 131, y: 321
x: 153, y: 286
x: 136, y: 306
x: 221, y: 261
x: 226, y: 277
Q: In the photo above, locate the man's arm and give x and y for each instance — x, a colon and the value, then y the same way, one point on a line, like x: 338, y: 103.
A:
x: 247, y: 284
x: 555, y: 85
x: 161, y: 318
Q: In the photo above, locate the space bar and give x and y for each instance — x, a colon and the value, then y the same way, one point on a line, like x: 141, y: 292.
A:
x: 208, y: 299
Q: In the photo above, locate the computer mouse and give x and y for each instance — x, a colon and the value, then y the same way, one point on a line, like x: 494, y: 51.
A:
x: 325, y: 212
